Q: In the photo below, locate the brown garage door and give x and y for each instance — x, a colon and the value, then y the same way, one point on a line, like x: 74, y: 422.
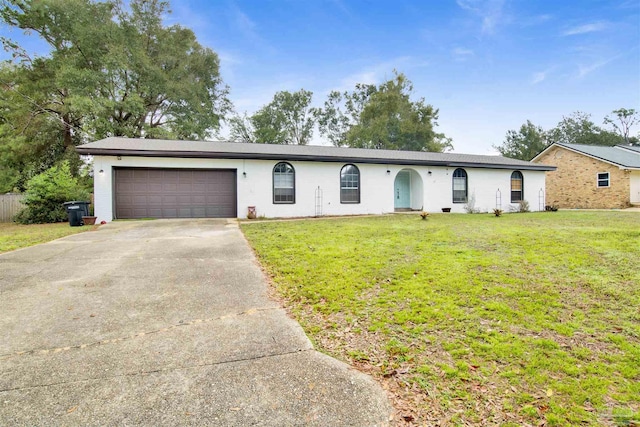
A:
x: 174, y: 193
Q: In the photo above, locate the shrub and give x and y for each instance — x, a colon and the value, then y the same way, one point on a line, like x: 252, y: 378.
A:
x: 497, y: 212
x: 470, y: 206
x: 523, y: 206
x: 47, y: 192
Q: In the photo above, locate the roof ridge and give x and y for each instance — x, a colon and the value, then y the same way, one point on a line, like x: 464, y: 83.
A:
x: 221, y: 149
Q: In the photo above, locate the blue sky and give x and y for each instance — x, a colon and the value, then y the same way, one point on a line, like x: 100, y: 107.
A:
x: 487, y: 65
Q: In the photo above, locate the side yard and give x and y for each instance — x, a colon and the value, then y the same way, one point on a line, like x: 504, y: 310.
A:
x: 526, y: 319
x: 15, y: 236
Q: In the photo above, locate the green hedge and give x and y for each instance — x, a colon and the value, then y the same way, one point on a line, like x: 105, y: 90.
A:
x: 47, y: 192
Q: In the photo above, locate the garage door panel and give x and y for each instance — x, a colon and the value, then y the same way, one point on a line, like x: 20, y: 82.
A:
x: 154, y: 187
x: 154, y: 199
x: 199, y: 212
x: 168, y: 213
x: 169, y: 200
x: 185, y: 213
x: 174, y: 193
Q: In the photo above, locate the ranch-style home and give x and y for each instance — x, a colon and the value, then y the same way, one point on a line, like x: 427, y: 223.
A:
x: 592, y: 176
x: 145, y: 178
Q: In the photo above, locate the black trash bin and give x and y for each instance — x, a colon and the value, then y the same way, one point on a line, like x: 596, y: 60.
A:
x: 76, y: 210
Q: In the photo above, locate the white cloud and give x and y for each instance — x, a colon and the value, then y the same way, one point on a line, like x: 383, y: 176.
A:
x: 249, y: 29
x: 462, y: 54
x: 584, y: 70
x: 586, y: 28
x: 541, y: 76
x: 535, y: 20
x: 490, y: 11
x: 538, y: 77
x: 376, y: 73
x: 244, y: 23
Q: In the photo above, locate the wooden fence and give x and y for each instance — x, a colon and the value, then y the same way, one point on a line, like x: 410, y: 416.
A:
x: 10, y: 204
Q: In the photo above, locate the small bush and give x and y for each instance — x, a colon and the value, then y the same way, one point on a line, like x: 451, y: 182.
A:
x: 470, y: 206
x: 424, y: 215
x: 47, y: 192
x: 522, y: 206
x: 497, y: 212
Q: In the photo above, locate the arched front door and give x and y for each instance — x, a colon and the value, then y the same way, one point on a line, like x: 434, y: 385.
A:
x: 408, y: 191
x: 402, y: 190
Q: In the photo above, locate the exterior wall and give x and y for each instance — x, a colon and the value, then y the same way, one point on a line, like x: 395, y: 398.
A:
x: 574, y: 184
x: 376, y: 196
x: 634, y: 185
x: 483, y: 184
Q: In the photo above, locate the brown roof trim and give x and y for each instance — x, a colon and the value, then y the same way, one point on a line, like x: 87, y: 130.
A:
x: 300, y: 157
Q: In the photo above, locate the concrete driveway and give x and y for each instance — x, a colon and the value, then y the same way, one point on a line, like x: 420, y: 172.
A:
x: 162, y: 322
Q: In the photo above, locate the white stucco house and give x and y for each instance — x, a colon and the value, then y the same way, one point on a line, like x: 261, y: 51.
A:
x: 145, y: 178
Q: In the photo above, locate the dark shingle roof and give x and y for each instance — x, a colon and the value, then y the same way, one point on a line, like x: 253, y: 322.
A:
x: 619, y: 155
x: 237, y: 150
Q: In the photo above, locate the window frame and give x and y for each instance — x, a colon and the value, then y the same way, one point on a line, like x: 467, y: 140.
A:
x: 521, y: 191
x: 453, y: 186
x: 358, y: 182
x: 607, y: 180
x: 273, y: 184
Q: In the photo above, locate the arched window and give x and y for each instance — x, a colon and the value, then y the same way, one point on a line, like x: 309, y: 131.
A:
x: 459, y: 186
x: 284, y: 183
x: 349, y: 184
x: 517, y: 187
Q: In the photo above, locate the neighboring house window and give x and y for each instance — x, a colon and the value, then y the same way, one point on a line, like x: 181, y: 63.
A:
x: 517, y: 188
x: 284, y: 183
x: 459, y: 186
x: 603, y: 179
x: 349, y: 184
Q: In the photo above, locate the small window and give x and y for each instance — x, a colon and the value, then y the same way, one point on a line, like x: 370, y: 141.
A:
x: 349, y: 184
x: 284, y: 183
x: 517, y: 188
x: 603, y: 179
x: 459, y: 186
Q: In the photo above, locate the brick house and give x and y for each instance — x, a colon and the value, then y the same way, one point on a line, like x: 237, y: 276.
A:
x: 591, y: 176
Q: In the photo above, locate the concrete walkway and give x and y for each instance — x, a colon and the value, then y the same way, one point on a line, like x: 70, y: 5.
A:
x: 162, y: 322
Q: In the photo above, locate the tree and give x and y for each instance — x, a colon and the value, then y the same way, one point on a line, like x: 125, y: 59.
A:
x: 525, y: 143
x: 381, y: 117
x: 30, y: 141
x: 579, y: 129
x: 342, y: 111
x: 287, y: 119
x: 241, y: 129
x: 627, y: 118
x: 47, y: 192
x: 111, y: 71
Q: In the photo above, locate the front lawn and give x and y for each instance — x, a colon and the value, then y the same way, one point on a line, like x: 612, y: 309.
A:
x: 472, y: 319
x: 15, y: 236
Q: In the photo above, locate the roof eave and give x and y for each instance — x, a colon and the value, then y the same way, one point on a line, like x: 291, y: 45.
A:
x: 298, y: 157
x: 593, y: 156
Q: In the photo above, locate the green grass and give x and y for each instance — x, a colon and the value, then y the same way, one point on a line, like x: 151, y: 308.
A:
x: 526, y: 318
x: 15, y: 236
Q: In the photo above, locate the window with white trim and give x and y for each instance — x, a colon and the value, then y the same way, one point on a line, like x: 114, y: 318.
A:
x: 603, y: 179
